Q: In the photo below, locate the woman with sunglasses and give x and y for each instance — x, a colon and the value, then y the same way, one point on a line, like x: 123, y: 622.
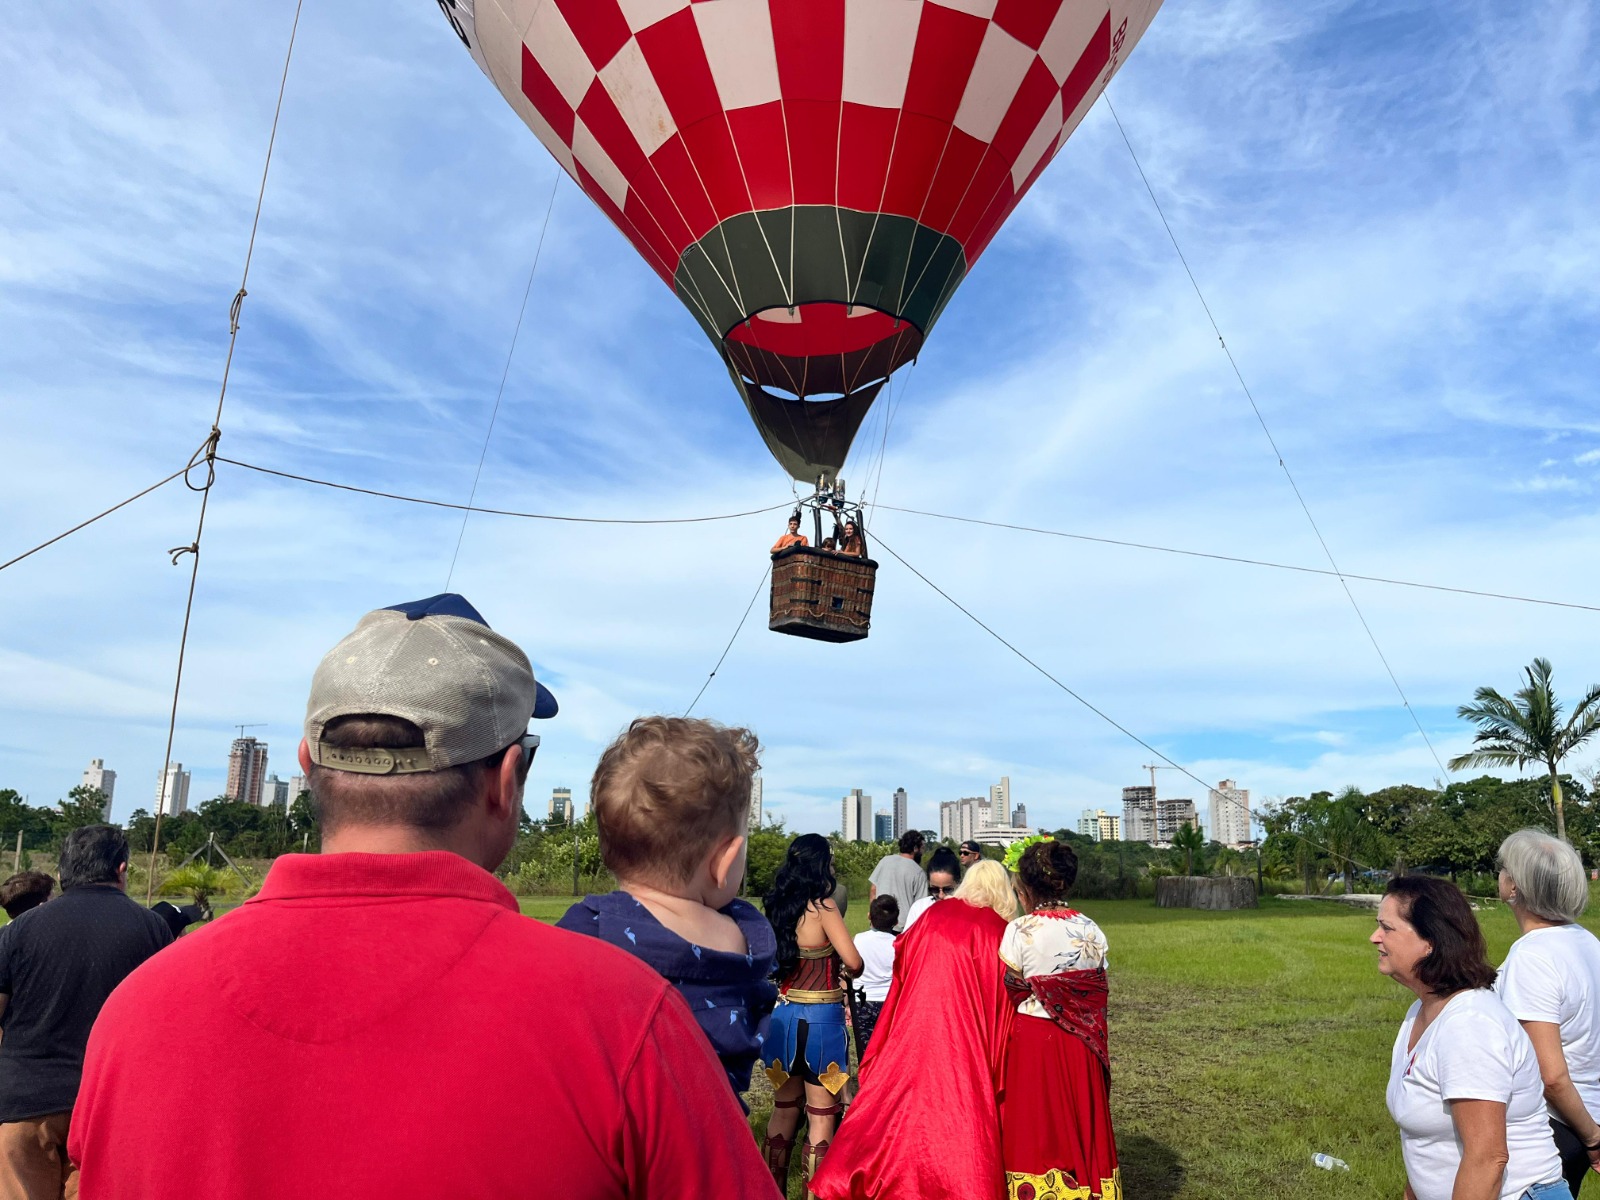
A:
x: 807, y: 1048
x: 944, y: 876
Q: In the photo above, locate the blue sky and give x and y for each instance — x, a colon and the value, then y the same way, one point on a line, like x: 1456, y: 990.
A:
x: 1390, y: 207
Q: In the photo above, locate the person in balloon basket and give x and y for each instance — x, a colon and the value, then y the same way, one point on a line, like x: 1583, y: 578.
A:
x: 793, y: 538
x: 671, y: 799
x: 389, y: 1023
x: 853, y: 542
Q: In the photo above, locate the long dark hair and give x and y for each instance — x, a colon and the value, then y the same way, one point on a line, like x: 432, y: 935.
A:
x: 1439, y: 912
x: 805, y: 878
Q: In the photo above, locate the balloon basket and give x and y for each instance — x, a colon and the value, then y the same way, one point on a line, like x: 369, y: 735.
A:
x: 822, y: 595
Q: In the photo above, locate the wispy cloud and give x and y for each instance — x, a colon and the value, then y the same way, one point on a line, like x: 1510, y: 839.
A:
x: 1389, y: 207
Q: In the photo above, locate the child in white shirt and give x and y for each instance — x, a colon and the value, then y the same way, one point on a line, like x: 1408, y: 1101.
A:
x: 876, y: 947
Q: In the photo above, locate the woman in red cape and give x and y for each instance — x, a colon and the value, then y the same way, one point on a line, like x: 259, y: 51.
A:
x: 925, y: 1124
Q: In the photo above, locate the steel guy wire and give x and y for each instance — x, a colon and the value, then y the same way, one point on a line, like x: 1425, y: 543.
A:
x: 1271, y: 441
x: 504, y: 375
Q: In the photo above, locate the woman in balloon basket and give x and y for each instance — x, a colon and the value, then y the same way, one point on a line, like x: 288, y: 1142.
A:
x: 1055, y: 1112
x: 807, y: 1047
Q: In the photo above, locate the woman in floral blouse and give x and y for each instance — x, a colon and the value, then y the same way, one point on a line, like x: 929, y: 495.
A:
x: 1055, y: 1114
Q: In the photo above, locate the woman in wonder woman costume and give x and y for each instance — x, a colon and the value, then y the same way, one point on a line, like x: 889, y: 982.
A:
x: 807, y: 1048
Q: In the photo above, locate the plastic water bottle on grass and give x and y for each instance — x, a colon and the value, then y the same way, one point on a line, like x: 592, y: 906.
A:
x: 1329, y: 1163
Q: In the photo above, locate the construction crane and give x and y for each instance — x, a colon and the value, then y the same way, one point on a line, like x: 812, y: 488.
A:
x: 263, y: 725
x: 1153, y: 768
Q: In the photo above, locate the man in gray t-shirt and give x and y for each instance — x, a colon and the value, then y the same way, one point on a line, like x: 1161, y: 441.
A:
x: 900, y: 875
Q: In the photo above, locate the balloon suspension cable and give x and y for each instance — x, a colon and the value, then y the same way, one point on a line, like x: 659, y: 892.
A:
x: 207, y: 454
x: 1271, y: 441
x: 1096, y: 710
x: 505, y: 373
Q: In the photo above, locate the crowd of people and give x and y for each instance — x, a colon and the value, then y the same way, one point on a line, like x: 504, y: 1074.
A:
x: 380, y: 1020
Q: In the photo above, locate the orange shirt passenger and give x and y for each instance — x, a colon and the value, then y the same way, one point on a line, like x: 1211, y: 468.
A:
x: 793, y: 538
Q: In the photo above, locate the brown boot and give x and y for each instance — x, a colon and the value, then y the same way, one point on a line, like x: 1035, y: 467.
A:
x: 777, y: 1150
x: 811, y: 1155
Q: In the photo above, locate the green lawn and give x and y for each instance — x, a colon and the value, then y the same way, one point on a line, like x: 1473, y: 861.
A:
x: 1242, y: 1044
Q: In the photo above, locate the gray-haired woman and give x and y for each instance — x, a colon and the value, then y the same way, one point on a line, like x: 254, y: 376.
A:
x: 1551, y: 983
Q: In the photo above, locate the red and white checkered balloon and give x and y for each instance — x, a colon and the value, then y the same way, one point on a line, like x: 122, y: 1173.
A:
x: 813, y: 178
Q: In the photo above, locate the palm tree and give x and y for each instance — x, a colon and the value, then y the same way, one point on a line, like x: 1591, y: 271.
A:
x: 1191, y: 841
x: 1528, y: 728
x: 200, y: 880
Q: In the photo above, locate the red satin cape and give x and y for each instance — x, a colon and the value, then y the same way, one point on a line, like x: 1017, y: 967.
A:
x: 926, y: 1122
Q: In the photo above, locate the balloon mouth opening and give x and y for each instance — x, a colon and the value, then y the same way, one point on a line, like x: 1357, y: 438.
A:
x: 821, y: 349
x: 780, y: 392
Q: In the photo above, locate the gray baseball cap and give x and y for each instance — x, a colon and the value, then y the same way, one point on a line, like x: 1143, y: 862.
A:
x: 437, y: 664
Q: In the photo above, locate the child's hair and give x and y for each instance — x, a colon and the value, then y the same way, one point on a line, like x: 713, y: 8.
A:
x: 25, y: 890
x: 884, y: 914
x: 667, y: 790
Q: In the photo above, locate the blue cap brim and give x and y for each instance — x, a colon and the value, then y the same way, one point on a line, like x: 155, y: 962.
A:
x: 544, y: 704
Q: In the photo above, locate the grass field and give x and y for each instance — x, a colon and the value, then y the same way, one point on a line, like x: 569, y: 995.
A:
x: 1241, y: 1043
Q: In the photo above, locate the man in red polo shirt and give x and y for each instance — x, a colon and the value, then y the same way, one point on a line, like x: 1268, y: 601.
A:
x: 381, y: 1021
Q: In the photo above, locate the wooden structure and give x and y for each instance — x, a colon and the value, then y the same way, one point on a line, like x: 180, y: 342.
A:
x: 822, y: 595
x: 1205, y: 891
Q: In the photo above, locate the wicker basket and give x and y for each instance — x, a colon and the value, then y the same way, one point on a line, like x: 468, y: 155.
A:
x: 822, y: 595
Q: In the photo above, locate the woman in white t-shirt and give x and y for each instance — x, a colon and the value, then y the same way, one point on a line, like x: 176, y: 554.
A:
x: 1551, y: 983
x: 1464, y: 1082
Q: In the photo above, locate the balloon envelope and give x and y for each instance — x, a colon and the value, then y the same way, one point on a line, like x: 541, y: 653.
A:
x: 812, y: 178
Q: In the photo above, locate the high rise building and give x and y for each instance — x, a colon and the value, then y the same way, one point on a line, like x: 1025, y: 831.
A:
x: 1172, y: 815
x: 883, y: 826
x: 95, y: 775
x: 274, y: 791
x: 755, y: 801
x: 1019, y: 815
x: 960, y: 820
x: 297, y: 785
x: 247, y: 767
x: 856, y: 817
x: 1089, y: 823
x: 1230, y: 813
x: 902, y: 815
x: 561, y: 805
x: 1000, y: 798
x: 1110, y: 827
x: 172, y: 791
x: 1139, y: 813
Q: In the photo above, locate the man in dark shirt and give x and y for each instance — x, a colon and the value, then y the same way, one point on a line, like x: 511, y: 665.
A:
x: 58, y: 963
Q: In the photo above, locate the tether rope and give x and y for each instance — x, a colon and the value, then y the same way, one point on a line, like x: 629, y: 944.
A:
x: 1250, y: 562
x: 737, y: 629
x: 1096, y: 710
x: 11, y: 562
x: 208, y: 451
x: 502, y: 512
x: 1283, y: 465
x: 504, y: 375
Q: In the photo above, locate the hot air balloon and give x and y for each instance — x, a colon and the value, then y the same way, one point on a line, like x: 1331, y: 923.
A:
x: 812, y: 178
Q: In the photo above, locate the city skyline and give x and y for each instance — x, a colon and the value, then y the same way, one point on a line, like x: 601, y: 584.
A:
x: 1384, y: 278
